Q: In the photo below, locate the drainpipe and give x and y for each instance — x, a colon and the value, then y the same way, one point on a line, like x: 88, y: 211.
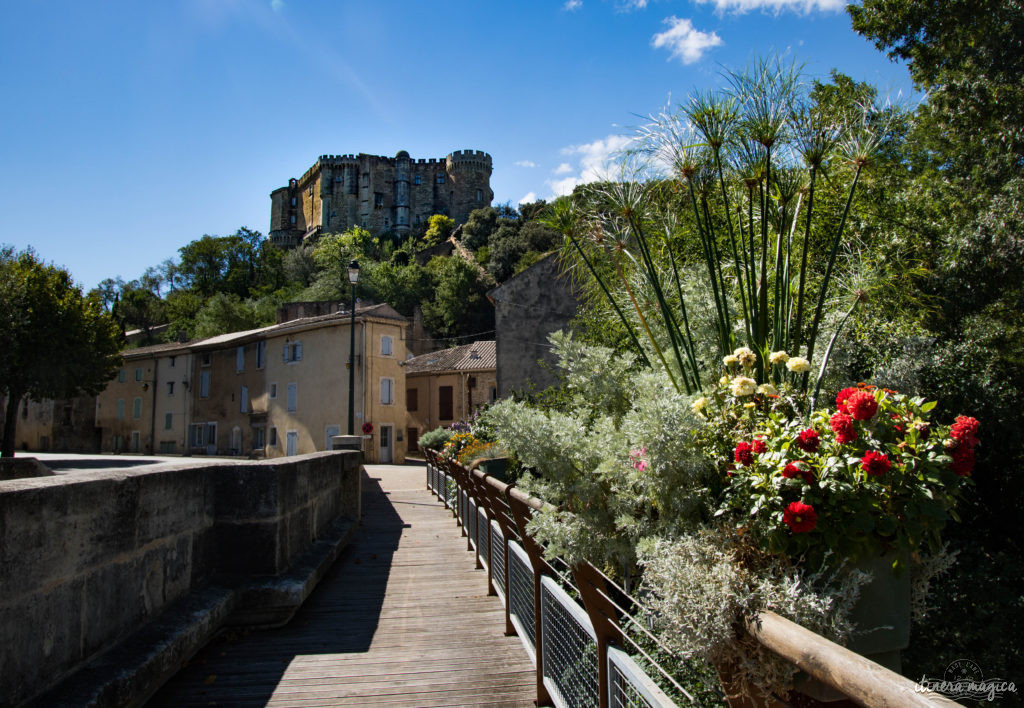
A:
x: 152, y: 422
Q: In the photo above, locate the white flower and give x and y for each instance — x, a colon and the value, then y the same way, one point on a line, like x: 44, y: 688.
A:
x: 743, y: 386
x: 699, y: 405
x: 746, y: 357
x: 779, y: 357
x: 768, y: 389
x: 730, y: 360
x: 798, y: 364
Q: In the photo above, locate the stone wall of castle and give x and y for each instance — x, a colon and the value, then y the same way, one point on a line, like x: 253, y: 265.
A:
x: 379, y: 194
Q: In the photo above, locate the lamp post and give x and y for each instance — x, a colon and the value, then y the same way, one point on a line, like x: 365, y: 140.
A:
x: 353, y: 278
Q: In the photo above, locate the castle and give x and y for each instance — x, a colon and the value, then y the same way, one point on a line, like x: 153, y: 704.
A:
x: 380, y: 194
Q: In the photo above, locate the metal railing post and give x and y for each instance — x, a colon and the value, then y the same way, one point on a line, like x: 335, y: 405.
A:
x: 605, y: 619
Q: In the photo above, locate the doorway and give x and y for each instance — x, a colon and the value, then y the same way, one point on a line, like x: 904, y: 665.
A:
x: 291, y: 445
x: 386, y: 447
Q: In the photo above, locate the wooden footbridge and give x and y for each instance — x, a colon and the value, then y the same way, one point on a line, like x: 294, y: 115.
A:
x: 407, y: 617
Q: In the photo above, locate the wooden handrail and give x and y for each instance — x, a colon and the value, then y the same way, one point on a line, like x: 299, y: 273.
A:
x: 860, y: 679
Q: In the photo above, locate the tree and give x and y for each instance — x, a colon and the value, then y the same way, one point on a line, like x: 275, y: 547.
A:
x: 479, y: 227
x: 439, y: 228
x: 58, y: 342
x: 459, y: 305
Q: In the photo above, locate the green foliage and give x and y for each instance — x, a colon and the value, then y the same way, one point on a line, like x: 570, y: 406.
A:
x: 459, y: 304
x: 58, y: 342
x: 439, y: 228
x: 401, y: 286
x: 479, y: 227
x: 224, y: 313
x: 435, y: 439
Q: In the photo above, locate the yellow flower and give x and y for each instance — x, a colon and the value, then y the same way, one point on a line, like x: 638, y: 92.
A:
x: 743, y: 386
x: 746, y: 357
x: 749, y: 405
x: 730, y: 360
x: 768, y: 389
x: 724, y: 381
x: 798, y: 364
x: 699, y: 405
x: 779, y: 357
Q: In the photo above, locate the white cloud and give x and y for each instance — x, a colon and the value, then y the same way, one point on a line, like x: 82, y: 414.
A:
x: 524, y: 163
x: 528, y: 198
x: 572, y: 5
x: 630, y: 5
x: 684, y: 40
x: 277, y: 5
x: 776, y: 6
x: 593, y: 163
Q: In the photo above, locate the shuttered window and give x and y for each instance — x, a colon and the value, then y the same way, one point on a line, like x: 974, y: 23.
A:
x: 444, y: 403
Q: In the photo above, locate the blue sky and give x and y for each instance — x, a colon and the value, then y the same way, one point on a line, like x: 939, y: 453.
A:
x: 131, y: 128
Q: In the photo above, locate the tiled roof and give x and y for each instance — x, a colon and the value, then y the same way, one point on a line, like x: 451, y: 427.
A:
x: 380, y: 311
x: 468, y: 357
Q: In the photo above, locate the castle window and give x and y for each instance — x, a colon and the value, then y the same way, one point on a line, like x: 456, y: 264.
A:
x: 417, y: 180
x: 294, y: 201
x: 292, y: 218
x: 440, y: 177
x: 479, y: 195
x: 378, y: 199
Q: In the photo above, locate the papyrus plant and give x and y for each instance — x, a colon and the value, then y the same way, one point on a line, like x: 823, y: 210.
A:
x: 735, y: 176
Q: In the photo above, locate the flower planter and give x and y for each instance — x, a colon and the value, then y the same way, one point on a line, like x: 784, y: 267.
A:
x: 495, y: 467
x: 881, y: 618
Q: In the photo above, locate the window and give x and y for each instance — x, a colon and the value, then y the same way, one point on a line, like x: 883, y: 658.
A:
x: 293, y: 396
x: 122, y: 376
x: 245, y: 399
x: 170, y: 388
x: 204, y: 360
x: 444, y: 403
x: 172, y: 361
x: 137, y: 408
x: 440, y: 177
x: 273, y: 390
x: 417, y: 180
x: 273, y: 437
x: 120, y: 409
x: 292, y: 352
x: 240, y: 359
x: 494, y: 394
x: 204, y: 384
x: 292, y: 218
x: 259, y: 438
x: 385, y: 345
x: 138, y: 373
x: 378, y: 199
x: 261, y: 354
x: 196, y: 434
x: 479, y: 195
x: 294, y: 201
x: 168, y: 421
x: 412, y: 399
x: 387, y: 391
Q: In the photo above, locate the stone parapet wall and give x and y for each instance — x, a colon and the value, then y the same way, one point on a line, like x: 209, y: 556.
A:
x: 88, y: 559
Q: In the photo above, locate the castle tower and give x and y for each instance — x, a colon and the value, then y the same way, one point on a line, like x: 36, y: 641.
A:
x: 470, y: 188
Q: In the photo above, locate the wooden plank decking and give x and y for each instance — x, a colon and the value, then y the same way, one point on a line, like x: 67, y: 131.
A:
x: 403, y: 619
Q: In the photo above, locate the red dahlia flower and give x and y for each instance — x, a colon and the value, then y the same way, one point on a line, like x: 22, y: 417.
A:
x: 759, y: 446
x: 875, y: 463
x: 808, y: 440
x: 963, y: 460
x: 842, y: 425
x: 800, y: 517
x: 965, y: 430
x: 861, y: 405
x: 793, y: 469
x: 842, y: 396
x: 744, y: 454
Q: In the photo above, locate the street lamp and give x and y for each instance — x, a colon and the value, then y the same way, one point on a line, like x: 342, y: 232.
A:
x: 353, y: 278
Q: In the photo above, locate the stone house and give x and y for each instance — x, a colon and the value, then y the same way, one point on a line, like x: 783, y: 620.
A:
x: 527, y: 308
x: 448, y: 385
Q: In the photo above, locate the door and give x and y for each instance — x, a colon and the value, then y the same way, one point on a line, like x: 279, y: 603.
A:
x: 386, y: 448
x: 211, y: 438
x: 135, y: 441
x: 330, y: 432
x: 236, y: 441
x: 291, y: 443
x: 414, y: 439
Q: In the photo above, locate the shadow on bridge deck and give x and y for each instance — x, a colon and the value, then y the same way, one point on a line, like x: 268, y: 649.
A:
x: 403, y: 619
